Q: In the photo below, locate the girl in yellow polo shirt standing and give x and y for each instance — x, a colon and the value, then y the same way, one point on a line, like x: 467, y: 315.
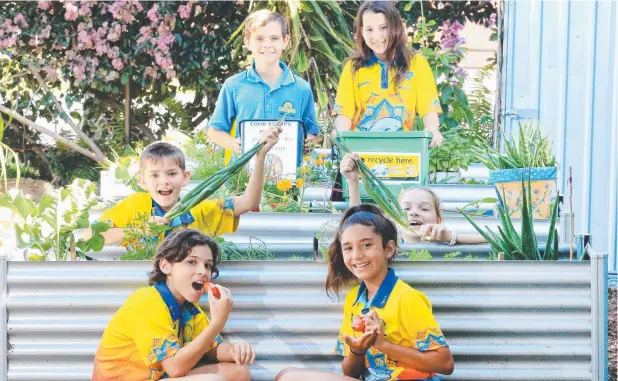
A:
x: 385, y: 84
x: 388, y: 330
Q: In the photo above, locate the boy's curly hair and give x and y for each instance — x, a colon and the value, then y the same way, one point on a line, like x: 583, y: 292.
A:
x: 177, y: 246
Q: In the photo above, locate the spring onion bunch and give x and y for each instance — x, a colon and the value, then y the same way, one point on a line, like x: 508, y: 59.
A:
x: 210, y: 185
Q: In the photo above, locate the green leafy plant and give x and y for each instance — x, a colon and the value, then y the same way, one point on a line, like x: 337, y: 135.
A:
x: 230, y: 251
x: 530, y: 150
x: 473, y: 182
x: 449, y: 77
x: 236, y: 185
x: 317, y: 168
x: 47, y: 228
x: 453, y: 154
x: 299, y: 258
x: 141, y: 238
x: 458, y: 256
x: 24, y: 170
x: 8, y: 157
x: 452, y: 256
x: 418, y: 255
x: 481, y: 105
x: 207, y: 157
x: 284, y: 195
x: 96, y: 241
x: 524, y: 246
x: 126, y: 167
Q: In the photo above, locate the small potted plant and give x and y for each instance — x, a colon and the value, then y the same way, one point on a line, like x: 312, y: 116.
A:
x: 529, y: 157
x: 447, y: 160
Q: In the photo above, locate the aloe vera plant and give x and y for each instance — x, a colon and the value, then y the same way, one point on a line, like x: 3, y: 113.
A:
x: 524, y: 246
x: 530, y: 150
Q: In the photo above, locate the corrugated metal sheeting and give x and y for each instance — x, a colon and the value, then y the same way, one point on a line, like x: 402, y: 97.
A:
x: 560, y: 66
x: 504, y: 320
x: 288, y: 234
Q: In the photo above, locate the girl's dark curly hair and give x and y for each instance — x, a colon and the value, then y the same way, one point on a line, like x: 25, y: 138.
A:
x: 366, y: 215
x: 177, y: 246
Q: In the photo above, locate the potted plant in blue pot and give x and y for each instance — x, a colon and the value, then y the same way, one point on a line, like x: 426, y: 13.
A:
x: 528, y: 157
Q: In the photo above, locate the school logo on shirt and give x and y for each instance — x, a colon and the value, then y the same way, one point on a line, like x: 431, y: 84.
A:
x: 287, y: 107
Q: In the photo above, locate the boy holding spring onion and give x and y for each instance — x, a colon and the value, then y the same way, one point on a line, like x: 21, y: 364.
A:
x: 163, y: 175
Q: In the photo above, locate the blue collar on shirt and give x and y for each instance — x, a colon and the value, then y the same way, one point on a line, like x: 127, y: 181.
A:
x: 286, y: 78
x: 383, y: 72
x: 384, y: 292
x: 374, y: 59
x: 182, y: 220
x: 182, y: 314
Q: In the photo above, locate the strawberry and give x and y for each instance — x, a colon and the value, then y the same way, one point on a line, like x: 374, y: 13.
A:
x: 215, y: 291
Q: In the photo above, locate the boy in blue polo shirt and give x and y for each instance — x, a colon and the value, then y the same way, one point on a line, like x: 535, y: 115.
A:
x: 266, y: 90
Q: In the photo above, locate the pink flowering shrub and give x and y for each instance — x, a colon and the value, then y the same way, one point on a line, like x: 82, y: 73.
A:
x: 89, y: 51
x: 102, y: 45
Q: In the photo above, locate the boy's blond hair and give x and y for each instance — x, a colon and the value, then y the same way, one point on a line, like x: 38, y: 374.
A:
x: 159, y: 151
x: 262, y: 17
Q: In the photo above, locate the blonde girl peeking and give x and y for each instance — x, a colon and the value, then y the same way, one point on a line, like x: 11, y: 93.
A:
x: 422, y: 207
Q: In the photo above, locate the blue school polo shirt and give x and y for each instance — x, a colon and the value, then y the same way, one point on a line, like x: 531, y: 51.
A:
x: 246, y: 96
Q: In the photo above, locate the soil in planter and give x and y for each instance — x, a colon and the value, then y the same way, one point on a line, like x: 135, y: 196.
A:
x: 32, y: 188
x: 612, y: 346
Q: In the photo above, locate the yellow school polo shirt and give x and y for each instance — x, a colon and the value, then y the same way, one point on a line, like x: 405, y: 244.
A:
x: 370, y: 99
x: 212, y: 217
x: 147, y: 329
x: 407, y: 320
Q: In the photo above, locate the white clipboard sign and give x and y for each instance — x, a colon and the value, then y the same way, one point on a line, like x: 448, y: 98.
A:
x: 282, y: 159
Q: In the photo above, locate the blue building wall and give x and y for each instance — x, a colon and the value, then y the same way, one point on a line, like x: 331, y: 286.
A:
x: 560, y: 66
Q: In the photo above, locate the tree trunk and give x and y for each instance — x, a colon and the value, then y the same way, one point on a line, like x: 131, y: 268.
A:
x: 127, y: 114
x: 64, y: 115
x: 22, y: 119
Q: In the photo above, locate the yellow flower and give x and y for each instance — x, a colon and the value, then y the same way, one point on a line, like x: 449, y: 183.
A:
x: 300, y: 183
x: 322, y: 155
x: 284, y: 185
x: 306, y: 159
x: 319, y: 162
x: 305, y: 170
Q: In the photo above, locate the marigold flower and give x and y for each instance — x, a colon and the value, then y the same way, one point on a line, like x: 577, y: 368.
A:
x: 300, y: 183
x: 284, y: 185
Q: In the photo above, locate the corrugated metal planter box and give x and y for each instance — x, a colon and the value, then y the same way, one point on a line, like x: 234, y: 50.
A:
x: 504, y: 320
